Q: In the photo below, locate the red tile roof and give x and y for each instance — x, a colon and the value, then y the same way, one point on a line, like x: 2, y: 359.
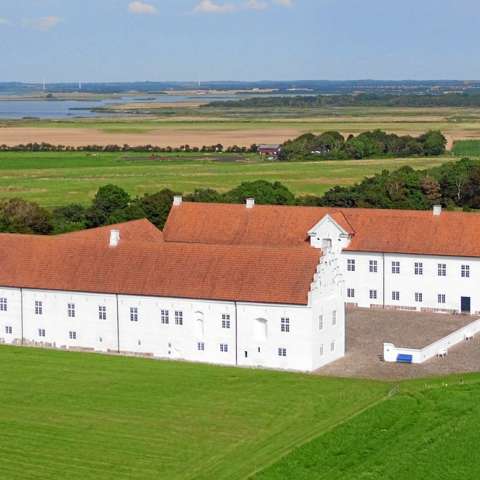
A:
x: 84, y: 262
x: 394, y: 231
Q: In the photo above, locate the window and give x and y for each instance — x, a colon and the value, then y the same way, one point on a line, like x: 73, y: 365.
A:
x: 71, y: 310
x: 201, y: 346
x: 418, y: 268
x: 133, y: 314
x: 225, y: 320
x: 332, y: 347
x: 442, y: 269
x: 321, y: 350
x: 465, y: 272
x: 178, y: 317
x: 396, y: 267
x: 3, y: 305
x: 102, y: 312
x: 396, y: 296
x: 334, y: 318
x: 41, y: 332
x: 320, y: 322
x: 224, y: 347
x: 418, y: 297
x: 350, y: 292
x: 8, y: 330
x: 350, y: 265
x: 164, y: 317
x: 72, y: 335
x: 441, y: 298
x: 285, y: 324
x: 282, y: 352
x: 38, y: 307
x: 373, y: 266
x: 373, y: 294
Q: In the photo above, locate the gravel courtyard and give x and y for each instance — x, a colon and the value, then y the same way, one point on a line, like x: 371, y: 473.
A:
x: 367, y: 330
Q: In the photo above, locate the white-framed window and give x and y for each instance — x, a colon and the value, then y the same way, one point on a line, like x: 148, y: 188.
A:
x: 41, y: 332
x: 102, y: 312
x: 321, y: 350
x: 225, y: 320
x: 465, y: 271
x: 71, y: 310
x: 224, y: 347
x: 334, y: 318
x: 72, y: 335
x: 350, y: 265
x: 38, y: 307
x: 396, y: 267
x: 178, y: 317
x: 282, y: 352
x: 133, y: 314
x: 373, y: 266
x: 418, y: 297
x: 285, y: 324
x: 320, y: 322
x: 418, y: 268
x: 442, y: 298
x: 350, y: 293
x: 8, y: 330
x: 372, y: 294
x: 396, y: 296
x: 332, y: 346
x: 201, y: 346
x: 165, y: 317
x: 442, y: 269
x: 3, y: 304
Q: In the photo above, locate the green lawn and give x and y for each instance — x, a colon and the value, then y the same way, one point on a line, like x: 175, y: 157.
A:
x: 54, y: 179
x: 425, y: 431
x: 86, y: 416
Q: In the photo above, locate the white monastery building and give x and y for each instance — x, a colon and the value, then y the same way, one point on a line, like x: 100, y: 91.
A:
x: 247, y: 285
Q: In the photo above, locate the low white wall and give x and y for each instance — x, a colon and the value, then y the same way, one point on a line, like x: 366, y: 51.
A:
x: 390, y: 351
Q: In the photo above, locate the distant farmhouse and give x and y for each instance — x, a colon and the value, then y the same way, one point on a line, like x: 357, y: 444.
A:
x: 248, y: 285
x: 272, y: 150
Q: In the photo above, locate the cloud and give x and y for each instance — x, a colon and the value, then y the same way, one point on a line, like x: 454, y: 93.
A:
x: 256, y: 5
x: 284, y: 3
x: 43, y: 23
x: 142, y: 8
x: 211, y: 6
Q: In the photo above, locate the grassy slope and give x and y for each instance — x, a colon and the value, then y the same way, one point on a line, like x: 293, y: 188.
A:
x: 425, y: 431
x: 86, y: 416
x: 58, y: 178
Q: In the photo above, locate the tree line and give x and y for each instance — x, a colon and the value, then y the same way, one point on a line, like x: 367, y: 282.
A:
x: 455, y: 185
x: 334, y: 146
x: 466, y: 99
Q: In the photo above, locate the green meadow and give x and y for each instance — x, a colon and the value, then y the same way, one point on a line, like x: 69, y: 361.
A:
x: 88, y: 416
x: 54, y: 179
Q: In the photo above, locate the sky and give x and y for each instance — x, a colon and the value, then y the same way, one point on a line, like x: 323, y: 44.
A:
x: 167, y: 40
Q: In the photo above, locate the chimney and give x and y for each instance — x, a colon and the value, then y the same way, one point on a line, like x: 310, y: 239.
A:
x: 437, y: 210
x: 114, y: 238
x: 177, y: 200
x: 250, y: 203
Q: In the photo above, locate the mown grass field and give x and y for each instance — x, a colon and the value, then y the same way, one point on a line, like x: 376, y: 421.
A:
x: 467, y: 148
x: 54, y: 179
x: 86, y: 416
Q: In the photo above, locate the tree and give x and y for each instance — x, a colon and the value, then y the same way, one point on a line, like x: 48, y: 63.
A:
x: 434, y: 143
x: 20, y: 216
x: 205, y: 195
x: 108, y: 199
x: 157, y: 206
x: 263, y: 192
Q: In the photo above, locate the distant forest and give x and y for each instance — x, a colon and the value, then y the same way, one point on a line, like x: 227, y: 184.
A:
x: 360, y: 100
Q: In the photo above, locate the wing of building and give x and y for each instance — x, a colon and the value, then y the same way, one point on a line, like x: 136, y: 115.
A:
x: 248, y: 285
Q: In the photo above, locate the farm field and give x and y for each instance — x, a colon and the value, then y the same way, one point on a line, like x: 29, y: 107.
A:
x: 54, y: 179
x: 467, y: 148
x: 87, y: 416
x: 168, y: 126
